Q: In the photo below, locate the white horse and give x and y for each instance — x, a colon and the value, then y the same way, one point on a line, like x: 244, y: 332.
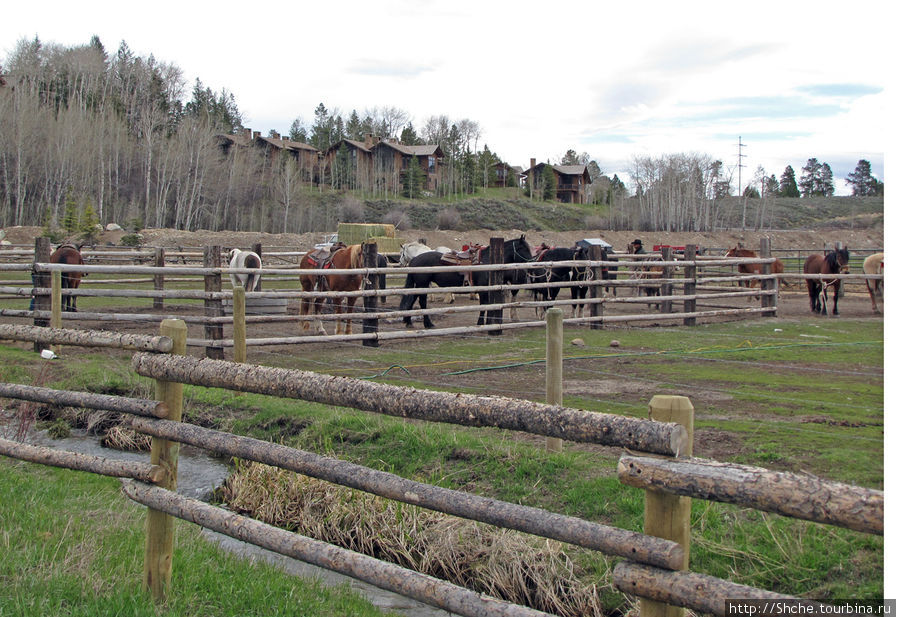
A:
x: 411, y: 249
x: 244, y: 259
x: 874, y: 264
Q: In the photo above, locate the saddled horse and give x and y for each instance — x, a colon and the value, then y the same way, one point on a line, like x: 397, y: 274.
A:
x: 874, y: 264
x: 644, y: 273
x: 559, y: 274
x: 421, y: 280
x: 516, y: 250
x: 411, y: 249
x: 833, y: 262
x: 755, y: 269
x: 68, y: 254
x: 244, y: 259
x: 341, y: 258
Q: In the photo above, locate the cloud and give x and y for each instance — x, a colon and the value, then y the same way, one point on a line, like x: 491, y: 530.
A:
x: 840, y: 90
x: 371, y: 67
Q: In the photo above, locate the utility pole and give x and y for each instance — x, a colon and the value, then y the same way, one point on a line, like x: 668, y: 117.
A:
x: 739, y: 164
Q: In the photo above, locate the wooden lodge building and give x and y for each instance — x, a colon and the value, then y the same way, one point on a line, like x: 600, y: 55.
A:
x: 572, y: 181
x: 382, y: 163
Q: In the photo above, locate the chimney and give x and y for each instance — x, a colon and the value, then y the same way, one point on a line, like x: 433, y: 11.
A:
x: 275, y: 135
x: 255, y: 134
x: 248, y: 134
x: 531, y: 178
x: 369, y: 140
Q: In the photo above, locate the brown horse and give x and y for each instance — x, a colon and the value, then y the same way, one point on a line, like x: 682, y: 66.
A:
x: 69, y: 254
x: 874, y: 264
x: 645, y: 272
x: 755, y: 269
x: 833, y: 262
x: 344, y: 257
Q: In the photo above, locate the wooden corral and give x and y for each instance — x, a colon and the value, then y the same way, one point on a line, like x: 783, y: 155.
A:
x: 690, y: 288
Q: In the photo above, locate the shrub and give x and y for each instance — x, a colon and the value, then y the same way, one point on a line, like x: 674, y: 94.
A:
x: 448, y: 219
x: 397, y: 218
x: 132, y: 240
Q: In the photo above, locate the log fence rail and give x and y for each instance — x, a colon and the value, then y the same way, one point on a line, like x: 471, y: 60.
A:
x: 655, y: 568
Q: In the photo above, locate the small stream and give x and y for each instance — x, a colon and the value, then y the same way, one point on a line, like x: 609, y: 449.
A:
x: 199, y: 474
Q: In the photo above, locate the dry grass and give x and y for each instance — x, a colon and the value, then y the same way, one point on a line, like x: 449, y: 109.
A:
x: 516, y: 567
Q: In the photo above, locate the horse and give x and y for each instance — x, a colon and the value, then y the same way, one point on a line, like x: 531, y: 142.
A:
x: 69, y: 254
x: 833, y: 262
x: 411, y: 249
x: 645, y: 272
x: 516, y: 250
x: 755, y: 269
x: 874, y: 264
x: 421, y: 280
x: 344, y: 257
x: 244, y: 259
x: 558, y: 274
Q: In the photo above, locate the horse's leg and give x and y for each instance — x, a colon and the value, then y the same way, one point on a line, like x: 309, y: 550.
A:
x: 837, y: 289
x: 513, y: 314
x: 426, y: 318
x: 869, y: 287
x: 348, y: 322
x: 483, y: 298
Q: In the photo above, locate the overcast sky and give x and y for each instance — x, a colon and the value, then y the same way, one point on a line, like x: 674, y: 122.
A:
x: 792, y: 80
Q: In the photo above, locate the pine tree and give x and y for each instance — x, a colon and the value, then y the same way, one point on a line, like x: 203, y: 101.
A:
x: 862, y: 181
x: 787, y: 186
x: 810, y: 178
x: 413, y: 179
x: 548, y: 179
x: 826, y: 181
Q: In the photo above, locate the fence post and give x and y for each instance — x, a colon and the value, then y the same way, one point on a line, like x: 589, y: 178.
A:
x: 159, y: 261
x: 554, y: 367
x: 370, y: 303
x: 40, y: 279
x: 665, y: 289
x: 239, y: 324
x: 669, y: 516
x: 495, y: 277
x: 55, y: 303
x: 212, y: 258
x: 596, y: 291
x: 160, y: 542
x: 767, y: 301
x: 257, y: 248
x: 690, y: 282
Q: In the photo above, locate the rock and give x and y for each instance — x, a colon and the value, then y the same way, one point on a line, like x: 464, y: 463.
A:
x: 614, y: 343
x: 578, y: 342
x: 113, y: 227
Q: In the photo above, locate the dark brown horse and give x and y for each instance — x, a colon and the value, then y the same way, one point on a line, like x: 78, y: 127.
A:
x: 755, y: 269
x: 345, y: 257
x: 833, y: 262
x: 68, y: 254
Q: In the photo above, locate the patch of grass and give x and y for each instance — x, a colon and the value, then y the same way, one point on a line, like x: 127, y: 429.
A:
x: 83, y: 555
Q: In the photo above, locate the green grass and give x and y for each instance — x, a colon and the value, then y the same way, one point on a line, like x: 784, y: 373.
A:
x: 753, y: 391
x: 73, y: 545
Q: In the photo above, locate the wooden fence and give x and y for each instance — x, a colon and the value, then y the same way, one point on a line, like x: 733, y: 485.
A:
x: 686, y: 288
x: 654, y: 565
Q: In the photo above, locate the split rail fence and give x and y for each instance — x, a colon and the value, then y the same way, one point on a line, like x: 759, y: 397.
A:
x: 654, y: 564
x: 700, y: 286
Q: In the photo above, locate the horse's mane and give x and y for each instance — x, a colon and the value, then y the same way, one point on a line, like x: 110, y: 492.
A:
x: 833, y: 261
x: 356, y: 256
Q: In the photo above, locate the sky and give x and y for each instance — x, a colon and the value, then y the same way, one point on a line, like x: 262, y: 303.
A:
x: 789, y: 80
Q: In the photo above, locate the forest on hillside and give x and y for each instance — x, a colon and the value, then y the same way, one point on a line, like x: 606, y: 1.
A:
x: 88, y: 136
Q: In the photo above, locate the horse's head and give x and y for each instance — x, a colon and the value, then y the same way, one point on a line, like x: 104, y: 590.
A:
x: 232, y: 255
x: 731, y: 252
x: 517, y: 250
x: 841, y: 259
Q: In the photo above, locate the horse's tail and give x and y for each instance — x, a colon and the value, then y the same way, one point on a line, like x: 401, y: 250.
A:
x: 407, y: 301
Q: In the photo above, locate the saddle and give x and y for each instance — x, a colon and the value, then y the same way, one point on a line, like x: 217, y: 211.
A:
x: 469, y: 256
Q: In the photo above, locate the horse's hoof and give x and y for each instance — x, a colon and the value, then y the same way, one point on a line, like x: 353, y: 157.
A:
x: 429, y: 326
